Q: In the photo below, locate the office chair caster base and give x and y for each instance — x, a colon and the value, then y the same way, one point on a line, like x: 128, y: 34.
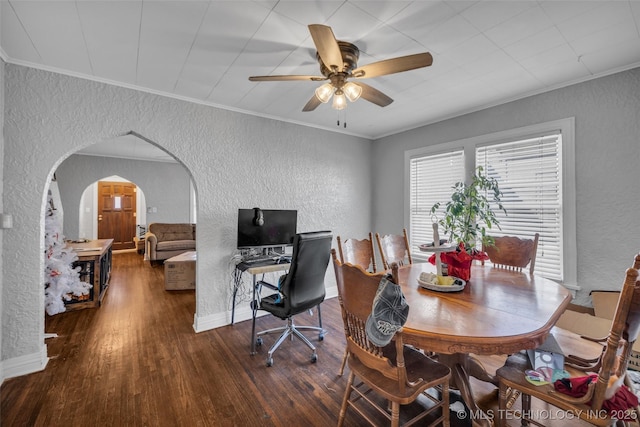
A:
x: 314, y: 358
x: 259, y: 341
x: 269, y: 362
x: 321, y: 336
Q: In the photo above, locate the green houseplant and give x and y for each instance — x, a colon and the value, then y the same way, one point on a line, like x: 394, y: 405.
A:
x: 467, y: 217
x: 469, y: 213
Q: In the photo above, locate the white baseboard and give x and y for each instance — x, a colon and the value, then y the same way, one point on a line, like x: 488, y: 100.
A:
x: 24, y: 365
x: 242, y: 313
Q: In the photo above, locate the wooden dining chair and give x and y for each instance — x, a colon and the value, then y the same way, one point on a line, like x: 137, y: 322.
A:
x: 358, y: 252
x: 396, y: 373
x: 615, y: 358
x: 394, y: 248
x: 513, y: 253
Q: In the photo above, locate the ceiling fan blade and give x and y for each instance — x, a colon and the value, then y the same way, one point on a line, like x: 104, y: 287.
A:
x: 394, y: 65
x: 372, y: 94
x: 327, y: 46
x: 312, y: 104
x: 285, y: 78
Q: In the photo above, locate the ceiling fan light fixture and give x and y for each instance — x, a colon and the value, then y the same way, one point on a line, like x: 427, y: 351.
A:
x: 339, y: 100
x: 324, y: 92
x: 338, y: 62
x: 352, y: 91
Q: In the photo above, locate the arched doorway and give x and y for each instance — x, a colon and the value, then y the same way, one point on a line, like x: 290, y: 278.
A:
x: 164, y: 187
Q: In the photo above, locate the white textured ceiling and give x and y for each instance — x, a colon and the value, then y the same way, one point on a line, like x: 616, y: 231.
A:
x: 485, y: 52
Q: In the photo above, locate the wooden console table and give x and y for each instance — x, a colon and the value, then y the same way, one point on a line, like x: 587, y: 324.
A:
x: 94, y: 260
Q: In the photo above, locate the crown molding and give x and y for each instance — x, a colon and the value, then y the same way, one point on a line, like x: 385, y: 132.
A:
x: 175, y: 96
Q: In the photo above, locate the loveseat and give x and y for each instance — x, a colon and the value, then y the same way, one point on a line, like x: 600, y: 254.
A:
x: 166, y: 240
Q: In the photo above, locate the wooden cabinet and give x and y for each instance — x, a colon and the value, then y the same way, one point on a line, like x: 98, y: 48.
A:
x: 94, y: 260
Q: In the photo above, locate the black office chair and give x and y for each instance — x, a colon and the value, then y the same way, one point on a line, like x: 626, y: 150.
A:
x: 301, y: 289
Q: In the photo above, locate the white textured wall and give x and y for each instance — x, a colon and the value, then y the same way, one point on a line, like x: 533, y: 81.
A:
x: 165, y: 185
x: 86, y: 214
x: 607, y: 134
x: 2, y: 107
x: 235, y: 160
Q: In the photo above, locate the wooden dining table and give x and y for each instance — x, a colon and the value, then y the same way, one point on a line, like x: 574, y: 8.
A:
x: 498, y: 312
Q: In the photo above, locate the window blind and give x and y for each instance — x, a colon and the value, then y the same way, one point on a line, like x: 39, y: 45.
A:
x: 431, y: 181
x: 529, y: 174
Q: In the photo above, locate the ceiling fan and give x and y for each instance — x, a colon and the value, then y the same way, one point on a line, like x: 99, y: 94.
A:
x: 339, y: 63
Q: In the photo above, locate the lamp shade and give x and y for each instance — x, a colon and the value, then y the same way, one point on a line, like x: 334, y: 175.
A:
x: 324, y: 92
x: 352, y: 91
x: 339, y: 100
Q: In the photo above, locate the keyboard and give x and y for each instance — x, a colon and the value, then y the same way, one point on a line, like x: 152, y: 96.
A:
x: 260, y: 260
x: 269, y: 260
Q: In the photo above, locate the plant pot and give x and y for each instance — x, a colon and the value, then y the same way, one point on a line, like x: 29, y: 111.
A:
x: 460, y: 269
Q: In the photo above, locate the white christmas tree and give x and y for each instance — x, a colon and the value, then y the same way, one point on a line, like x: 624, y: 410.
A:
x: 61, y: 279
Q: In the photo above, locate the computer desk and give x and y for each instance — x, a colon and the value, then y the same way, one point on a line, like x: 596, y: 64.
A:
x: 255, y: 270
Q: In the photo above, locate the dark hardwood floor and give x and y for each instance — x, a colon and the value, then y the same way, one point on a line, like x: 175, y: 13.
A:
x: 136, y: 361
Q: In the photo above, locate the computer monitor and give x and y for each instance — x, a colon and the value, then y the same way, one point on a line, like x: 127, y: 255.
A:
x: 278, y: 228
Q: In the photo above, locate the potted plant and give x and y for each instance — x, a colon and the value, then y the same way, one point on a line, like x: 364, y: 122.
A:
x: 467, y: 216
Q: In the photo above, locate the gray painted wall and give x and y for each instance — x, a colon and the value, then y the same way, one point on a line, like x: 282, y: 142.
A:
x: 165, y: 186
x: 235, y: 160
x: 607, y: 135
x: 2, y: 107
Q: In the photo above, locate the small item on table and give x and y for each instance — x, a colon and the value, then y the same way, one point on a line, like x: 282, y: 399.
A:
x: 545, y: 375
x: 434, y: 279
x: 436, y: 243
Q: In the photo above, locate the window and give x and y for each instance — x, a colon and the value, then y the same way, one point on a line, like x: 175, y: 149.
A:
x: 431, y: 180
x: 529, y: 175
x: 535, y: 169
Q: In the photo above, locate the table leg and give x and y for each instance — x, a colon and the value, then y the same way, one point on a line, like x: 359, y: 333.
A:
x: 477, y: 370
x: 254, y: 311
x: 237, y: 278
x: 233, y: 305
x: 461, y: 366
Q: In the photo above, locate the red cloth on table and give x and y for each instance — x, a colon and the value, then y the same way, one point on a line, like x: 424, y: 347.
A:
x: 459, y: 261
